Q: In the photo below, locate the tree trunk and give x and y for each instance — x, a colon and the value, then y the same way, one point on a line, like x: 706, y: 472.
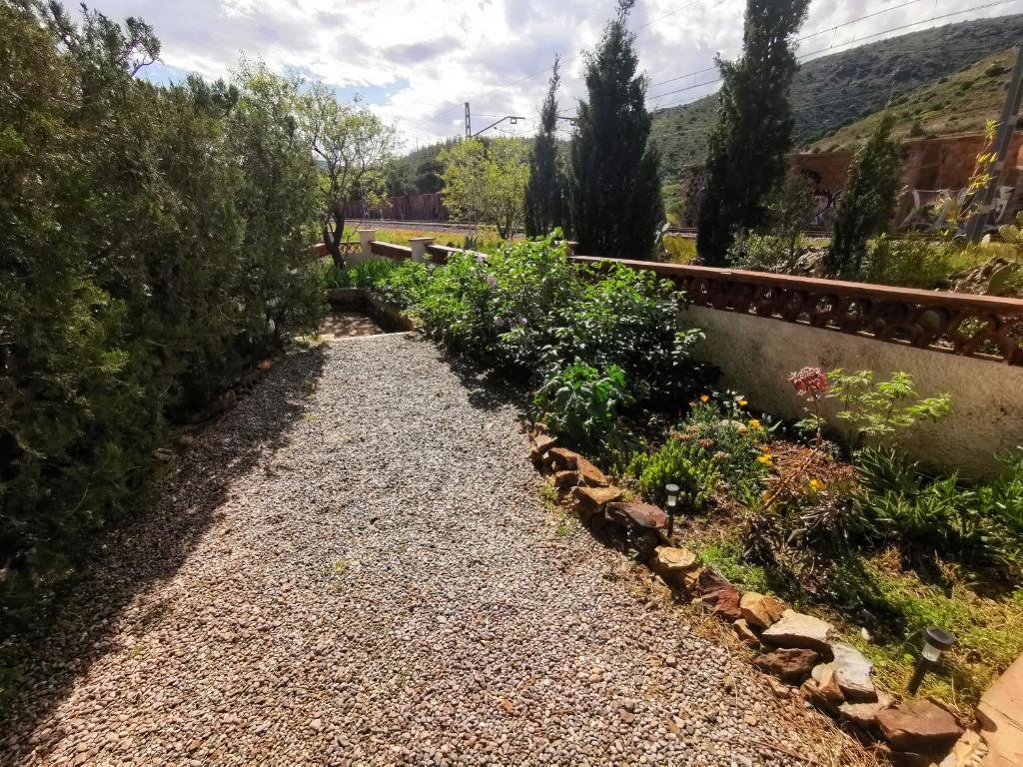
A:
x: 333, y: 239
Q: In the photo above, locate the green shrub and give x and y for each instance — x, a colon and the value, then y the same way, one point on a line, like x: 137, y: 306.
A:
x: 581, y: 402
x: 978, y: 524
x: 527, y: 309
x: 152, y: 250
x: 405, y: 284
x: 683, y: 463
x: 913, y: 262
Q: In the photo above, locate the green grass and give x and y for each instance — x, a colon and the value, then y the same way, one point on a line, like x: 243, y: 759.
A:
x: 680, y: 250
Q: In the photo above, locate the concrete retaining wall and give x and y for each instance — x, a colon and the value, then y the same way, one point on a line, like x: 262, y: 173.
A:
x: 756, y: 355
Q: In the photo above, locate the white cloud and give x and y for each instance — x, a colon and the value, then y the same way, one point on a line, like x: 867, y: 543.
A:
x: 416, y: 61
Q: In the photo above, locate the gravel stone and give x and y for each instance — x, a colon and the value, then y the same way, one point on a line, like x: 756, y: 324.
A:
x: 354, y: 566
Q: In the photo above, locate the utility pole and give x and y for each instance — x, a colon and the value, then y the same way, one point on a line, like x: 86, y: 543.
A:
x: 1010, y: 114
x: 468, y: 121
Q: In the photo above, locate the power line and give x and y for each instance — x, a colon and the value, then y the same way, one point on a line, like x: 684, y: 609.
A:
x: 573, y: 57
x: 823, y: 50
x: 799, y: 39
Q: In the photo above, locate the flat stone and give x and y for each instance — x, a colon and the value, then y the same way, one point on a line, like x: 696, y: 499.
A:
x: 852, y: 672
x: 760, y: 611
x: 596, y: 497
x: 590, y: 474
x: 864, y: 714
x: 562, y: 459
x: 725, y: 603
x: 541, y: 445
x: 643, y: 515
x: 709, y: 580
x: 791, y: 665
x: 799, y: 630
x: 746, y: 634
x: 673, y: 563
x: 591, y: 500
x: 918, y: 726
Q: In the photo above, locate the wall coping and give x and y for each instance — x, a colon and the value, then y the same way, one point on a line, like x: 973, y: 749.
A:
x: 984, y: 327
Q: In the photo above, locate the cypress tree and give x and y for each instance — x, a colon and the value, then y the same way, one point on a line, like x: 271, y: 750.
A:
x: 866, y: 207
x: 543, y: 193
x: 747, y: 147
x: 615, y: 192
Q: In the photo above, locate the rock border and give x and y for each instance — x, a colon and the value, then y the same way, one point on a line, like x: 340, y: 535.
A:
x: 804, y: 653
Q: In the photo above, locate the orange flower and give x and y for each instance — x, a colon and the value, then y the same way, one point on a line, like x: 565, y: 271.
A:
x: 704, y: 398
x: 754, y: 423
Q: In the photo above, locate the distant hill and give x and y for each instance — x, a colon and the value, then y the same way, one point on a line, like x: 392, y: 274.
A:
x: 833, y: 91
x: 961, y: 103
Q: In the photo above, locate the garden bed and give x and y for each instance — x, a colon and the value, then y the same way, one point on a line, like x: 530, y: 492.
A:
x: 348, y: 305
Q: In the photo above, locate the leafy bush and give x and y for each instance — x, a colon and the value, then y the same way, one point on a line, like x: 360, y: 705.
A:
x: 366, y: 275
x: 152, y: 250
x: 977, y: 524
x: 683, y: 463
x: 720, y: 426
x: 581, y: 402
x: 405, y: 284
x: 527, y: 309
x: 877, y: 410
x: 911, y: 262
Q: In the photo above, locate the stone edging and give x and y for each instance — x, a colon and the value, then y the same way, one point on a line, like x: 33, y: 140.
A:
x: 796, y: 650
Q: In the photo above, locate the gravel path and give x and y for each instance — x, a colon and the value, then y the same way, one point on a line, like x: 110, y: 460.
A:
x: 355, y: 567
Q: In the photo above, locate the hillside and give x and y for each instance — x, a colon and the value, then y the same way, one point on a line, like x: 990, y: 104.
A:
x: 962, y: 103
x: 833, y: 91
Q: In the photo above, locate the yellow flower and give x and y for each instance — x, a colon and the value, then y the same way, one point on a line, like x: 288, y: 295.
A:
x: 765, y: 459
x: 816, y: 484
x: 705, y: 398
x: 754, y: 423
x: 743, y: 403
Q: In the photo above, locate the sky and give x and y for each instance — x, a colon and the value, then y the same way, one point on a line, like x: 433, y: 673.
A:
x: 415, y: 62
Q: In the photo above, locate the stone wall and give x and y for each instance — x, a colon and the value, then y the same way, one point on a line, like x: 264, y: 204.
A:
x: 757, y: 354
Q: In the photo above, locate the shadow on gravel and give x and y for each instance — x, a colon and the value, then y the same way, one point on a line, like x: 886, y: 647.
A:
x: 487, y: 390
x: 40, y: 669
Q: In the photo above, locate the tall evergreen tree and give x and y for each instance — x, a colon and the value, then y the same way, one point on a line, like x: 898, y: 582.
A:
x: 868, y: 203
x: 615, y: 192
x: 543, y: 193
x: 747, y: 147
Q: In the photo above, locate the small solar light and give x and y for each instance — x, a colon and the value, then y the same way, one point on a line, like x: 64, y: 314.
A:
x: 936, y: 641
x: 671, y: 490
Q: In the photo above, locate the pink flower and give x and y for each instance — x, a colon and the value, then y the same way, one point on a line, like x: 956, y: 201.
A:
x: 491, y: 280
x: 810, y: 382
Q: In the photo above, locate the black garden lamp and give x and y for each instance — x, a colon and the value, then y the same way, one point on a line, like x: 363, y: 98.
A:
x: 671, y: 491
x: 936, y: 641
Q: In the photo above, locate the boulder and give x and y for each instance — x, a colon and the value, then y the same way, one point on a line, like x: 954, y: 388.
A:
x: 590, y: 474
x: 918, y: 726
x: 566, y: 478
x: 791, y: 665
x: 541, y: 445
x: 724, y: 603
x: 760, y: 611
x: 562, y: 459
x: 673, y: 563
x: 865, y: 714
x: 799, y: 630
x: 745, y: 634
x: 852, y: 672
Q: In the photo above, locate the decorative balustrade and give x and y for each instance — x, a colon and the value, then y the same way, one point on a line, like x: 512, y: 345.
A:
x: 957, y: 323
x: 986, y: 327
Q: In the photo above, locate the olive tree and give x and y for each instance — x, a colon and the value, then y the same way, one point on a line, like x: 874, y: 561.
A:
x: 350, y: 143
